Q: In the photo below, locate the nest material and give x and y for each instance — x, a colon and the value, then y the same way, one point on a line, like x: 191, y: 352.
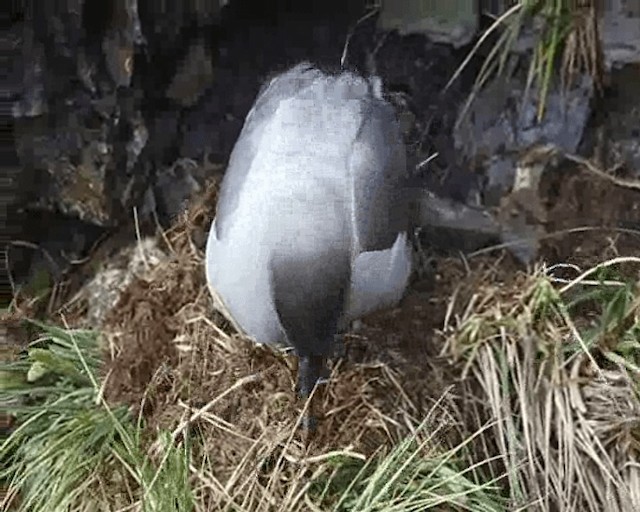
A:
x: 174, y: 357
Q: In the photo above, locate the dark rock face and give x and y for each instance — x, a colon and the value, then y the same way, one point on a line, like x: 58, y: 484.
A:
x: 126, y: 104
x: 130, y: 105
x: 501, y: 124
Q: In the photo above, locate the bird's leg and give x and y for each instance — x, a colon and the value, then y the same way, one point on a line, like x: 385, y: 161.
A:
x: 309, y: 370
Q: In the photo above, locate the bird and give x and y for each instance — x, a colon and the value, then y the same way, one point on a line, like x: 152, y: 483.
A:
x: 310, y: 230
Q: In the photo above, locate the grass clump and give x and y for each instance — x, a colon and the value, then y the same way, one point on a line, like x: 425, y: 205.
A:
x: 413, y: 476
x: 72, y: 451
x: 69, y: 450
x: 566, y: 37
x: 557, y: 370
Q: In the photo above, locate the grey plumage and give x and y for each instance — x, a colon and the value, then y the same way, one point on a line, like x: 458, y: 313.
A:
x: 310, y: 229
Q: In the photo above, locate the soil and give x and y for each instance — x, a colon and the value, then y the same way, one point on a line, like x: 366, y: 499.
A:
x: 608, y: 213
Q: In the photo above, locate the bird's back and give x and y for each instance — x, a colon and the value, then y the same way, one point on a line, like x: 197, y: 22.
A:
x: 311, y: 184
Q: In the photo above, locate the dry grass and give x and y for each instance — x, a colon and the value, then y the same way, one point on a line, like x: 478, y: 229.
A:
x: 563, y: 421
x: 178, y: 361
x: 567, y: 421
x: 496, y: 377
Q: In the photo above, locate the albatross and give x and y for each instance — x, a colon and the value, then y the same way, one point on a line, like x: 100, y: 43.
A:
x: 311, y: 230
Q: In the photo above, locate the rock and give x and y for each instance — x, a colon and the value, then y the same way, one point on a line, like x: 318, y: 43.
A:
x: 32, y: 102
x: 620, y: 32
x: 103, y: 291
x: 164, y: 20
x: 500, y: 174
x: 501, y: 134
x: 175, y: 185
x: 79, y: 189
x: 123, y: 34
x: 96, y: 136
x: 431, y: 210
x: 442, y: 21
x: 119, y: 58
x: 163, y: 141
x: 194, y: 75
x: 522, y: 213
x: 49, y: 245
x: 210, y: 128
x: 441, y: 221
x: 501, y: 123
x: 137, y: 141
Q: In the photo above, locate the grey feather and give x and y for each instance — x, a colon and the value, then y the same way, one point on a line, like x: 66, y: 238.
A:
x: 310, y: 228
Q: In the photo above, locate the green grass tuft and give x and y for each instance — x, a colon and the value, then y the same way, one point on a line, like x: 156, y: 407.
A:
x: 69, y: 445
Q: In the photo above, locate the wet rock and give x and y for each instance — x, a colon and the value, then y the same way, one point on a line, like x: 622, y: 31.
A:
x: 502, y: 122
x: 176, y: 184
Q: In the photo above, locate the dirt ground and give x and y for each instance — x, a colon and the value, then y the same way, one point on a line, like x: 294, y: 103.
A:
x: 576, y: 198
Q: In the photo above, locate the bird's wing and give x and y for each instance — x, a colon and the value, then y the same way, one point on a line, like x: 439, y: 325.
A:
x: 248, y: 145
x: 378, y: 171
